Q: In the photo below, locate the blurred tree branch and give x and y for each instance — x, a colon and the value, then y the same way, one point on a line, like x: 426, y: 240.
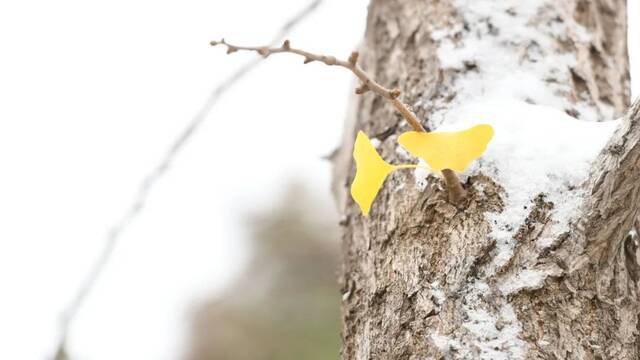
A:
x: 160, y: 169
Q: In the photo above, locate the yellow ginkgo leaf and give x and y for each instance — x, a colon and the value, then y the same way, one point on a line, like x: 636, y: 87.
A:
x: 448, y: 150
x: 371, y: 171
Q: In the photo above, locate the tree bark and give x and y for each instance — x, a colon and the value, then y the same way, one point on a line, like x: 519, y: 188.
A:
x: 420, y: 276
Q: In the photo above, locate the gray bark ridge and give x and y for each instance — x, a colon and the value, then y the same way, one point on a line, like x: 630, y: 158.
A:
x: 590, y: 309
x: 419, y: 277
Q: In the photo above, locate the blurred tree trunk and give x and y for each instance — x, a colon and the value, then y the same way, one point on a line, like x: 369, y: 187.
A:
x: 419, y: 277
x: 284, y: 305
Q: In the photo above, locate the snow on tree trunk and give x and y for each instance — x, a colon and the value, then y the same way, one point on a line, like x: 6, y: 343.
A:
x: 541, y: 259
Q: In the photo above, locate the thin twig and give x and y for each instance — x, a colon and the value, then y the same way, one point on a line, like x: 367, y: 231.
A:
x: 139, y: 202
x: 454, y: 188
x: 367, y: 83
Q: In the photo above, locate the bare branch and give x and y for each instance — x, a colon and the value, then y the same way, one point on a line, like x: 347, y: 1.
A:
x: 351, y: 64
x: 455, y: 190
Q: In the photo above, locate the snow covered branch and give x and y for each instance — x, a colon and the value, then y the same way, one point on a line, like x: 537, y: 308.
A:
x: 454, y: 187
x: 614, y: 204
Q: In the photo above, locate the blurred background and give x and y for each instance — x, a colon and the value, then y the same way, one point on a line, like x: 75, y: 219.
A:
x: 236, y: 253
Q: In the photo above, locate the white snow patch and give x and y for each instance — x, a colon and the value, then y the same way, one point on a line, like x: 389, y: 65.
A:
x: 525, y: 279
x: 535, y: 150
x: 421, y: 174
x: 496, y: 334
x: 445, y: 343
x: 441, y: 341
x: 545, y: 242
x: 497, y: 343
x: 510, y: 56
x: 402, y: 153
x: 375, y: 142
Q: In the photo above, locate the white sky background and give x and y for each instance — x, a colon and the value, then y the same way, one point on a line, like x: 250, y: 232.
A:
x: 91, y: 95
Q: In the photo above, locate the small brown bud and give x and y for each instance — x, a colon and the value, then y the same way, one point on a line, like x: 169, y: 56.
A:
x: 330, y: 60
x: 353, y: 59
x: 231, y: 49
x: 395, y: 93
x: 286, y: 45
x: 263, y: 51
x: 362, y: 89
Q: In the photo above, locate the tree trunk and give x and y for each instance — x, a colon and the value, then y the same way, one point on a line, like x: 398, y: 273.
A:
x: 423, y: 279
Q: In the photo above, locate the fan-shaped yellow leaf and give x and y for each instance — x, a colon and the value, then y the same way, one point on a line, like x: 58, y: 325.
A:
x: 448, y: 150
x: 371, y: 171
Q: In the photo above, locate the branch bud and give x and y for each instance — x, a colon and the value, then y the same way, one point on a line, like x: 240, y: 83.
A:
x: 363, y: 88
x: 353, y: 59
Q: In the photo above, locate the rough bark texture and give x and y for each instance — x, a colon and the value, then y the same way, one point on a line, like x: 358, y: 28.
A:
x: 419, y: 278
